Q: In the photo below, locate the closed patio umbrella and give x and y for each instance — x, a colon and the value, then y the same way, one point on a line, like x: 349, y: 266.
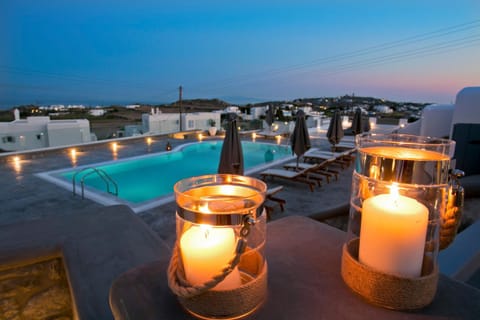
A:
x: 269, y: 116
x: 300, y: 139
x: 366, y: 125
x: 357, y: 122
x: 335, y: 131
x: 231, y: 157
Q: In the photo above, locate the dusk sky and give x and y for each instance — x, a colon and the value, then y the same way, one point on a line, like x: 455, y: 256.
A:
x: 103, y: 52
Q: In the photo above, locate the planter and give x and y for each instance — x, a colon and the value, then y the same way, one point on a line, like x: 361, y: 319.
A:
x: 212, y: 131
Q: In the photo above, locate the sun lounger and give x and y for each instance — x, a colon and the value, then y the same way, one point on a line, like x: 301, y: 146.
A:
x: 271, y: 201
x: 322, y: 168
x: 300, y: 176
x: 342, y: 145
x: 344, y: 159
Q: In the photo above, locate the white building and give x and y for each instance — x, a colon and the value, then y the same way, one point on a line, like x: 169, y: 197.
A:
x: 161, y: 123
x: 383, y: 109
x: 232, y: 109
x: 255, y: 113
x: 97, y: 112
x: 41, y: 132
x: 200, y: 120
x: 157, y: 122
x: 132, y: 106
x: 440, y: 120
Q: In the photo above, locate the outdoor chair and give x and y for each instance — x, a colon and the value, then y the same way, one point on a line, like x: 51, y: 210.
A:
x: 322, y: 168
x: 344, y: 145
x: 343, y: 159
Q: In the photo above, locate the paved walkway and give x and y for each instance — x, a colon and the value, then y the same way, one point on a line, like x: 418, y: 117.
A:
x: 24, y: 196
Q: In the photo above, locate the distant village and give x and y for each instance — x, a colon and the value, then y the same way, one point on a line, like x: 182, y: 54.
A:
x: 33, y: 127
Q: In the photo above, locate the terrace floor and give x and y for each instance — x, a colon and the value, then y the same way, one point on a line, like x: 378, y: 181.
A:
x: 26, y: 197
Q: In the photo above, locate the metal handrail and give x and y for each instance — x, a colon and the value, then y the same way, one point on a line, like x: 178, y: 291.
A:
x: 102, y: 174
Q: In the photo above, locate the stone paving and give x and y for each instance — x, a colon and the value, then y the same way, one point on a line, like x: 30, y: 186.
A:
x: 24, y: 196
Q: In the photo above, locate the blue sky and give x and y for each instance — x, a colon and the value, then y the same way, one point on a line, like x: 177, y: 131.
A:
x: 96, y: 52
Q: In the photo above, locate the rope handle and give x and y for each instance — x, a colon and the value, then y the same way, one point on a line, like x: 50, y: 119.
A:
x: 182, y: 288
x: 450, y: 220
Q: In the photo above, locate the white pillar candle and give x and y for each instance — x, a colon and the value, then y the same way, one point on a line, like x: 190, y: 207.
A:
x: 392, y: 234
x: 205, y: 252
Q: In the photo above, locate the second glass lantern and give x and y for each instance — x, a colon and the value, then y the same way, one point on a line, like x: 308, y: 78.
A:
x: 399, y: 193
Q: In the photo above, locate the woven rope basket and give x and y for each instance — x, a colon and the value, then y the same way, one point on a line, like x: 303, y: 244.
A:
x: 236, y: 303
x: 386, y: 290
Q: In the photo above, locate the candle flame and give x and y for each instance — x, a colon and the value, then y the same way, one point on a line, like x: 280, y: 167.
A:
x: 394, y: 192
x: 206, y: 230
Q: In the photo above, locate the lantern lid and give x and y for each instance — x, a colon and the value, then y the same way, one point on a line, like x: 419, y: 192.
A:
x: 219, y: 199
x: 404, y: 158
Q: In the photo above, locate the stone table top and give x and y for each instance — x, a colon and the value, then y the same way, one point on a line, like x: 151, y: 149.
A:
x: 304, y: 282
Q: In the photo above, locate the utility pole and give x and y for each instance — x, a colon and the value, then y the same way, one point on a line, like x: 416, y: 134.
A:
x: 180, y: 106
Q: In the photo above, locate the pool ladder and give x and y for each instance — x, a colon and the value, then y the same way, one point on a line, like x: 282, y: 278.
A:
x: 102, y: 174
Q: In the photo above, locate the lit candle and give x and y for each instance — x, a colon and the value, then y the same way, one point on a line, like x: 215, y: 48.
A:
x: 392, y: 234
x: 205, y: 252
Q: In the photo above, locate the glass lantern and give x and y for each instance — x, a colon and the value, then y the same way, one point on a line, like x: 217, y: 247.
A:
x: 218, y: 268
x: 399, y: 192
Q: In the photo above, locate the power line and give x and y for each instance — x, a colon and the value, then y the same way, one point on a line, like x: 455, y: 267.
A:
x: 348, y: 55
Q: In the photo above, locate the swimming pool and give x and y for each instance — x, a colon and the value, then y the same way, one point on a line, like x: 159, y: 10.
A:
x: 147, y: 181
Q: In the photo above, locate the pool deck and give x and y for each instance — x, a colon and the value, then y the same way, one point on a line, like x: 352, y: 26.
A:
x: 26, y: 197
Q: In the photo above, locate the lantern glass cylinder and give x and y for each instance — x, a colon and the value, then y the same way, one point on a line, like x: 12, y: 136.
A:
x: 399, y: 191
x: 221, y: 231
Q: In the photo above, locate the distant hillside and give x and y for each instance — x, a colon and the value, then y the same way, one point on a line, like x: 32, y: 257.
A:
x: 193, y: 105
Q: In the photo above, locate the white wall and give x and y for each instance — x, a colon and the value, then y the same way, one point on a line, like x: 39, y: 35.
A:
x: 200, y: 120
x: 66, y: 132
x: 41, y: 132
x: 467, y: 107
x: 160, y: 123
x: 436, y: 120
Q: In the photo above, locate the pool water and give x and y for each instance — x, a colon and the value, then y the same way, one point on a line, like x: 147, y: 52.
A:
x: 149, y: 177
